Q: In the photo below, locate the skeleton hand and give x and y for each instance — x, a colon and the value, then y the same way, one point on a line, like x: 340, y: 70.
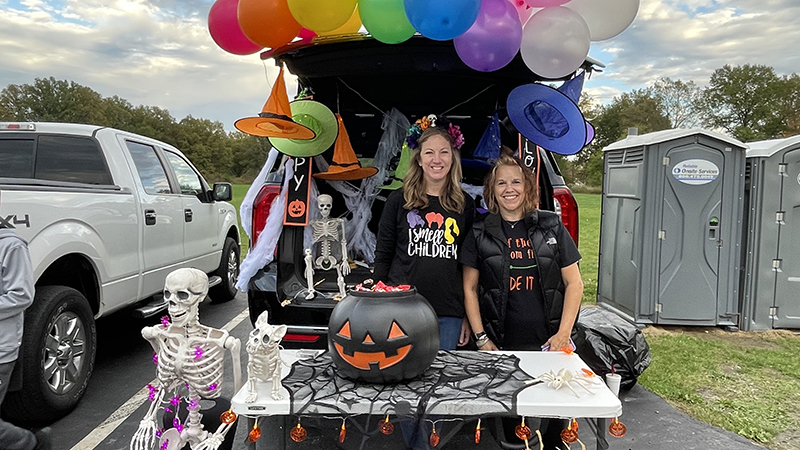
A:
x: 212, y: 442
x: 145, y: 436
x: 345, y: 267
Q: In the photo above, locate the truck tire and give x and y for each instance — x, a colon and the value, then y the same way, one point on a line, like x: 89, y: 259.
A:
x: 229, y: 272
x: 57, y: 356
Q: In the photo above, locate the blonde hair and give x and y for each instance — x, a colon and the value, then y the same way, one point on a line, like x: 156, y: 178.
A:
x: 414, y: 190
x: 530, y: 190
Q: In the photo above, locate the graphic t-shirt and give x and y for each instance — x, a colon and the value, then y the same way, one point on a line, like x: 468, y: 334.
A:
x: 420, y: 247
x: 526, y: 321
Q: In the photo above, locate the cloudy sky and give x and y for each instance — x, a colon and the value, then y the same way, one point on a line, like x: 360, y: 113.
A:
x: 159, y: 52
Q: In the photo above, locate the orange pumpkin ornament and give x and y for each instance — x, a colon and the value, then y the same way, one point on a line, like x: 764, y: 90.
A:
x: 574, y: 425
x: 254, y: 434
x: 434, y: 439
x: 569, y: 435
x: 228, y: 417
x: 478, y: 432
x: 385, y: 426
x: 342, y: 432
x: 298, y: 433
x: 523, y: 431
x: 617, y: 428
x: 297, y: 208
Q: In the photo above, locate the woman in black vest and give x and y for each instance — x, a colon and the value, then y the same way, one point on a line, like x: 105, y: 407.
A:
x: 522, y: 285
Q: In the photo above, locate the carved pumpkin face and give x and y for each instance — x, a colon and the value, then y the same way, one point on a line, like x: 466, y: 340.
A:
x: 383, y: 337
x: 296, y: 208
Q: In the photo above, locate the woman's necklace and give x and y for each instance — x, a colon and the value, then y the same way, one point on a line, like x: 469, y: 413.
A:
x: 512, y: 224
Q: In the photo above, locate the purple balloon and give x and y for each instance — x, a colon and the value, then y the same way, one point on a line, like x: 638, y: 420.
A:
x: 494, y: 39
x: 589, y: 133
x: 223, y: 25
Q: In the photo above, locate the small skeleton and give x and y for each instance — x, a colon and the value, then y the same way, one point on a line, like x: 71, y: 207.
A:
x: 564, y: 378
x: 189, y: 356
x: 264, y: 351
x: 326, y: 232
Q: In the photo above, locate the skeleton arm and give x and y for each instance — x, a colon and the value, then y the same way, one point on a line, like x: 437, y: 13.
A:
x: 233, y: 344
x: 345, y: 266
x: 145, y: 436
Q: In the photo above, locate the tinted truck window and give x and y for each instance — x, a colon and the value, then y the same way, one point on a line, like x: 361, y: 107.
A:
x: 73, y: 159
x: 17, y: 158
x: 187, y: 177
x: 151, y: 172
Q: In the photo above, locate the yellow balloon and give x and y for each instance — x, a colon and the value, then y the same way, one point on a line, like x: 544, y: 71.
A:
x: 322, y: 15
x: 350, y: 27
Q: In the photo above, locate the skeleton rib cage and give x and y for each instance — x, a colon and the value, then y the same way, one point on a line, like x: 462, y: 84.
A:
x: 195, y: 360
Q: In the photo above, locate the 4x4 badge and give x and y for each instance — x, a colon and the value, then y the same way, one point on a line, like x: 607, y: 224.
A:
x: 11, y: 220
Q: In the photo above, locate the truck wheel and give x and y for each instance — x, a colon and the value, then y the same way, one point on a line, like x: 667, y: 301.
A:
x: 57, y: 355
x: 229, y: 272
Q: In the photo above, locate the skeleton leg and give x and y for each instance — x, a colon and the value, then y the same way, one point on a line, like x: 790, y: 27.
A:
x: 276, y: 380
x: 340, y: 280
x: 309, y: 273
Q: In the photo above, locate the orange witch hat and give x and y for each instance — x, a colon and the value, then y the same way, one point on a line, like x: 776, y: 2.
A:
x: 345, y: 165
x: 275, y: 120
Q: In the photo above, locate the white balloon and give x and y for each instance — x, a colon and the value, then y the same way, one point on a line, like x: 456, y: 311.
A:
x: 555, y: 42
x: 605, y: 18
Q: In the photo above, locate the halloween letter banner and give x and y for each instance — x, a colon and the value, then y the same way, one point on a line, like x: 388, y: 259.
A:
x: 297, y: 195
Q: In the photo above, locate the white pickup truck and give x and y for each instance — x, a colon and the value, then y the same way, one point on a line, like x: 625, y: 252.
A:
x: 107, y: 215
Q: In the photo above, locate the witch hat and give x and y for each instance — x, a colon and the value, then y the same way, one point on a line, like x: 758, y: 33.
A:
x: 401, y: 170
x: 275, y: 120
x: 345, y: 165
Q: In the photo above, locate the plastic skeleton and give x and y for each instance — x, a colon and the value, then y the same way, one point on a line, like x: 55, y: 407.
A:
x: 564, y: 378
x: 189, y: 356
x: 264, y: 362
x: 326, y: 232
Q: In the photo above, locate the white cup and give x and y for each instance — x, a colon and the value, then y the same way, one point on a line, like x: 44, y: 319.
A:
x: 612, y: 381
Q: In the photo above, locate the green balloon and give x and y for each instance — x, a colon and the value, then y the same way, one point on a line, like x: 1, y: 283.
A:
x: 386, y: 20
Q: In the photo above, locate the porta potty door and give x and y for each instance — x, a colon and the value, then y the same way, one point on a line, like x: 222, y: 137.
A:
x: 688, y: 275
x: 787, y: 279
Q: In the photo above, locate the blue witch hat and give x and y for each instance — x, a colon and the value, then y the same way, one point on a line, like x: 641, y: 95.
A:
x: 488, y: 148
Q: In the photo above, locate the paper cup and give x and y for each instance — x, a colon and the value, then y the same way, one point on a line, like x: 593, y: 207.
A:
x: 612, y: 381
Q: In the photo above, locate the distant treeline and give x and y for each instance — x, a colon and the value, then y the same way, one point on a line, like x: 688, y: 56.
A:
x: 749, y: 102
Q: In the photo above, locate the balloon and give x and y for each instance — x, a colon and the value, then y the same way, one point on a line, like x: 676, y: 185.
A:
x: 555, y: 42
x: 386, y: 20
x: 322, y: 15
x: 442, y: 20
x: 350, y: 27
x: 268, y: 23
x: 589, y: 133
x: 524, y: 10
x: 306, y: 35
x: 493, y: 40
x: 224, y: 28
x: 605, y: 18
x: 546, y: 3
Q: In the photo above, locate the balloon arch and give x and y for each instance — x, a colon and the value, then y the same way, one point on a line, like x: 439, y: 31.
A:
x: 553, y: 36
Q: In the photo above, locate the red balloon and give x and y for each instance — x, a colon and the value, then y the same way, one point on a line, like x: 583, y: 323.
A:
x: 267, y: 22
x: 223, y: 25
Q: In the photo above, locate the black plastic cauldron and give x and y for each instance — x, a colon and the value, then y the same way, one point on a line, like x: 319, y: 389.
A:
x: 383, y: 337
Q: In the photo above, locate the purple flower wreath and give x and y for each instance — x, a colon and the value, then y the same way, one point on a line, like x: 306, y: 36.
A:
x: 414, y: 133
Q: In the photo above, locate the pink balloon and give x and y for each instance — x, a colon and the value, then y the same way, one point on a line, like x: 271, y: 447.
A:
x: 223, y: 25
x: 545, y: 3
x: 524, y: 10
x: 306, y: 35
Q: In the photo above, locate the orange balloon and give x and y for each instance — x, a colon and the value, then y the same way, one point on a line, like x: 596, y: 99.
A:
x: 350, y: 27
x: 268, y: 23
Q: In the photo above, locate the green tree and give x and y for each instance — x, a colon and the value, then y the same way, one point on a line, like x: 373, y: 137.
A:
x: 207, y: 145
x: 746, y: 102
x: 681, y: 101
x: 51, y: 100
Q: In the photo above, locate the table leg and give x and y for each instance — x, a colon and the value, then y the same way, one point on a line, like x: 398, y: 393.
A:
x: 600, y: 433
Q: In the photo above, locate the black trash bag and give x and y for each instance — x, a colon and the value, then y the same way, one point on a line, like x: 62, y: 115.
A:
x: 603, y: 339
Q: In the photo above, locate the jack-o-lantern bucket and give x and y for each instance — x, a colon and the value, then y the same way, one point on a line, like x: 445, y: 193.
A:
x: 383, y: 337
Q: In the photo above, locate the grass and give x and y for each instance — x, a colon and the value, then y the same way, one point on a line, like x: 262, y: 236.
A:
x: 239, y: 191
x: 744, y: 382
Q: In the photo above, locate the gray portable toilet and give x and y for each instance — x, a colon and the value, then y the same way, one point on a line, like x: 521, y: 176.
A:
x: 771, y: 292
x: 670, y: 229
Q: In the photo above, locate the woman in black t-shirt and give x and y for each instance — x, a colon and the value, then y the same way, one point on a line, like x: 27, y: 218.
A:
x: 522, y: 285
x: 423, y: 226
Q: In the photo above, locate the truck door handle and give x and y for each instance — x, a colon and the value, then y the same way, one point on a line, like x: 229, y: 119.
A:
x: 149, y: 216
x: 187, y: 215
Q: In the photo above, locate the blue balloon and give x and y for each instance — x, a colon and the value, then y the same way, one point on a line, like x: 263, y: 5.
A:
x: 442, y: 20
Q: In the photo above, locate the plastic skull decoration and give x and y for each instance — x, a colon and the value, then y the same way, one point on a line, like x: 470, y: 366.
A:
x: 184, y: 289
x: 325, y: 203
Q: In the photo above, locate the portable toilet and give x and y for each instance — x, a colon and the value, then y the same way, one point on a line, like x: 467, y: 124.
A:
x: 670, y: 229
x: 772, y: 241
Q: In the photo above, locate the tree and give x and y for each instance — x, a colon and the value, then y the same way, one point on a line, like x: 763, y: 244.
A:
x: 681, y: 101
x: 51, y: 100
x: 745, y: 101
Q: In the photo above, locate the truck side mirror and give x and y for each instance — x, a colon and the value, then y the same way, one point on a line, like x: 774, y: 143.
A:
x: 222, y: 192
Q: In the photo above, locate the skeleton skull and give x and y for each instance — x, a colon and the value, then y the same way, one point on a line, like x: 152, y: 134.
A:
x: 324, y: 203
x: 184, y: 289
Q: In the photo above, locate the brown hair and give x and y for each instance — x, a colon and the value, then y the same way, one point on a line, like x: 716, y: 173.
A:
x: 530, y: 191
x: 414, y: 189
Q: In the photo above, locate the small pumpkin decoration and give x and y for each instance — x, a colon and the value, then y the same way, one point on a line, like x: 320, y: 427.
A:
x: 383, y: 337
x: 297, y: 208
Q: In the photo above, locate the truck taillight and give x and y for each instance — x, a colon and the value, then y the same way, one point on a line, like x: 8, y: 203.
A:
x: 567, y: 208
x: 261, y: 206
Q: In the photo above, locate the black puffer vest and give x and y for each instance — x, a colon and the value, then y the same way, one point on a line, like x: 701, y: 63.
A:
x: 495, y: 264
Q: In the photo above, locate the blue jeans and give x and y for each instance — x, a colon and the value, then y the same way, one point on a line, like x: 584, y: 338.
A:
x: 449, y: 332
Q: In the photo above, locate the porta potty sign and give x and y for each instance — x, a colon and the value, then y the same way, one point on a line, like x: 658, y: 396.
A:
x: 695, y: 171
